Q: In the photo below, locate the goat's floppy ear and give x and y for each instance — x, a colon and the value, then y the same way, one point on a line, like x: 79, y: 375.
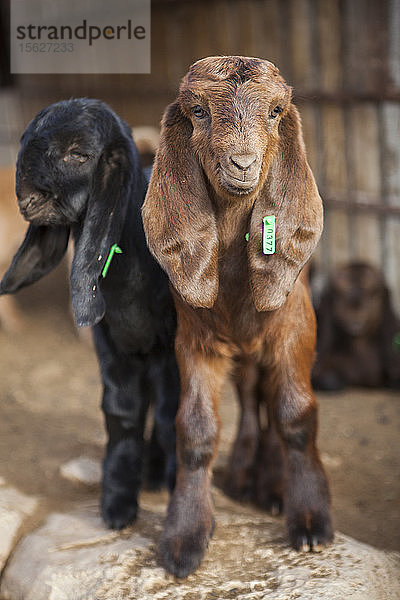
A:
x: 102, y: 227
x: 41, y: 251
x: 290, y: 193
x: 178, y: 217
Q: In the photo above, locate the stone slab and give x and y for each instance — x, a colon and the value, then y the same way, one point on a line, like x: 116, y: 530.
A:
x: 73, y: 557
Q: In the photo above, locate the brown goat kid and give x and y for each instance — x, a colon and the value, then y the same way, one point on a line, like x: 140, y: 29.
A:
x: 358, y: 341
x: 231, y: 153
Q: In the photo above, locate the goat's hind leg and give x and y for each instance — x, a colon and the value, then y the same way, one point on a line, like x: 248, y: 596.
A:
x: 270, y: 471
x: 125, y: 404
x: 161, y: 460
x: 155, y: 463
x: 239, y: 479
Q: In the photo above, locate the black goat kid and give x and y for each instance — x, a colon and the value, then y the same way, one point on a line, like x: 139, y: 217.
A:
x: 78, y: 170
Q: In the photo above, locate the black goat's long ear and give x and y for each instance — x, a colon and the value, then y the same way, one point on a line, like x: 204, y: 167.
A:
x: 290, y: 194
x: 41, y: 251
x: 178, y: 217
x: 111, y: 188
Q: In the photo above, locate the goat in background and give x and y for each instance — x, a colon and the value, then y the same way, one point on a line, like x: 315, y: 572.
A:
x: 358, y: 332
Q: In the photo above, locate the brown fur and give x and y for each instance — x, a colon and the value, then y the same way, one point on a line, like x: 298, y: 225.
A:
x: 239, y: 311
x: 356, y: 331
x: 12, y: 229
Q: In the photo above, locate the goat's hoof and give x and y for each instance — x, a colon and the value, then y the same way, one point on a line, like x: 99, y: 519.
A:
x: 311, y: 534
x: 272, y: 503
x: 118, y: 511
x: 182, y: 554
x: 275, y: 507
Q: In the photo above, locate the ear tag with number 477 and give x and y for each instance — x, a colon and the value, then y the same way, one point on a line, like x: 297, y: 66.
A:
x: 268, y: 235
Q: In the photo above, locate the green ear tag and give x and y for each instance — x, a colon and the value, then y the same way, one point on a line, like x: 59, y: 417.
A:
x: 268, y: 235
x: 115, y: 249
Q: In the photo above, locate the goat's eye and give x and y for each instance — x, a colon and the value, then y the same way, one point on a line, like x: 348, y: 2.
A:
x: 277, y: 111
x: 76, y: 156
x: 199, y: 112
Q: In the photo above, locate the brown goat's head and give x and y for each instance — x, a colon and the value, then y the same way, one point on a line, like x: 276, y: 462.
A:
x: 235, y: 105
x: 232, y: 134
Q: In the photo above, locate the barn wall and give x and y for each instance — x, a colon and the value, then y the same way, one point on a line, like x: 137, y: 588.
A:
x: 342, y: 58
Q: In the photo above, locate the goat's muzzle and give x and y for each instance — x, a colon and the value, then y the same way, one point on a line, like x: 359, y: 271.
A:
x: 240, y: 172
x: 37, y: 207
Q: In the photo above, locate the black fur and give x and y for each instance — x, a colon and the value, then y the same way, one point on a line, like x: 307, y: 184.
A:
x: 78, y: 170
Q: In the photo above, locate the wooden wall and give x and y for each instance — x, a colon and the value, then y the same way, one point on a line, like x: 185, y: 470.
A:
x: 342, y: 58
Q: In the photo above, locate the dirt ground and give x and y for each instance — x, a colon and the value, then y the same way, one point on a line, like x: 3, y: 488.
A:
x: 49, y: 413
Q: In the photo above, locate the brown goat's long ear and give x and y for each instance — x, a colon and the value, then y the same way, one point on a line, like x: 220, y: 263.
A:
x: 290, y: 193
x: 104, y: 219
x: 178, y: 217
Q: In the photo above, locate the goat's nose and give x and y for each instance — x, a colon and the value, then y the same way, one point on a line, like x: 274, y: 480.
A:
x: 243, y: 161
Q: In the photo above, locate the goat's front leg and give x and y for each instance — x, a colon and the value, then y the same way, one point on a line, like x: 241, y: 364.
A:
x: 162, y: 449
x: 307, y: 499
x: 122, y: 468
x: 189, y: 523
x: 294, y: 415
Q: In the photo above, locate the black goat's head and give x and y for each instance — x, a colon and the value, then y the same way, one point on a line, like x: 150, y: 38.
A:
x: 77, y: 168
x: 64, y: 151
